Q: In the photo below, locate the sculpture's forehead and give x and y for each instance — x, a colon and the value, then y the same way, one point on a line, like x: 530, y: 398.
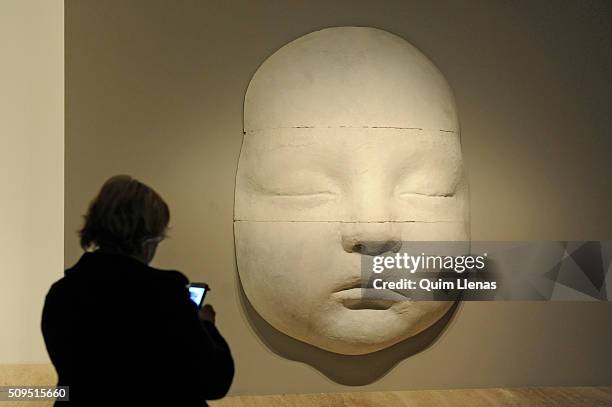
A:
x: 352, y: 77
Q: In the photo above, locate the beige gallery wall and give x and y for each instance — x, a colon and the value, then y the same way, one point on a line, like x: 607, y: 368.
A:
x: 31, y: 170
x: 155, y: 89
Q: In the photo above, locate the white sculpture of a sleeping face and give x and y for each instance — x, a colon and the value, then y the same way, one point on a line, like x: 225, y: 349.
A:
x: 351, y: 144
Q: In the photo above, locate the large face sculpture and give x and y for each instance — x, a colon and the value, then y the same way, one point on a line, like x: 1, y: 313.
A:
x: 351, y: 145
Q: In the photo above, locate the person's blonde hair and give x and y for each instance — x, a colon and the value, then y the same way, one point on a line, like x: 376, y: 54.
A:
x: 123, y: 215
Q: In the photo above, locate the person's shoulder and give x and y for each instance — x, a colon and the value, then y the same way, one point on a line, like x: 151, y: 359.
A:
x: 60, y: 288
x: 173, y: 277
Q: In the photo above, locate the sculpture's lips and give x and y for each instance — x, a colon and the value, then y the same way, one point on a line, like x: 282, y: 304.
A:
x: 357, y: 298
x: 357, y: 283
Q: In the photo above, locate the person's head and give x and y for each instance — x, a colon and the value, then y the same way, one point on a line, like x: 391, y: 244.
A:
x: 351, y: 146
x: 126, y: 217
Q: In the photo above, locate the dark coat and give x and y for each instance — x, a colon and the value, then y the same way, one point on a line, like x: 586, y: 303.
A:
x: 121, y: 332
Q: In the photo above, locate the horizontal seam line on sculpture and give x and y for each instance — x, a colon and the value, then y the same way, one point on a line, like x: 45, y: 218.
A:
x: 349, y: 221
x: 348, y: 127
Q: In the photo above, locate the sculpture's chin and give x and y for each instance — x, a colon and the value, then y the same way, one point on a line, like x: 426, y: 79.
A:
x: 348, y: 346
x: 361, y: 331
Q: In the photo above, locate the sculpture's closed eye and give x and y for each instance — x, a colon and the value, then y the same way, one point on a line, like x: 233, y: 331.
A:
x: 426, y: 194
x: 296, y: 194
x: 429, y: 184
x: 294, y: 184
x: 298, y: 198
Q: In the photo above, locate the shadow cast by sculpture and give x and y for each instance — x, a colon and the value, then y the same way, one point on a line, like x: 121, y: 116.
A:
x: 350, y: 370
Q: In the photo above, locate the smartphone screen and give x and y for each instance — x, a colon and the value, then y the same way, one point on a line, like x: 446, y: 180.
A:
x: 197, y: 293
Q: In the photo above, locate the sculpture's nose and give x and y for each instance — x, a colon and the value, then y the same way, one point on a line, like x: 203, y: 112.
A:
x: 370, y: 238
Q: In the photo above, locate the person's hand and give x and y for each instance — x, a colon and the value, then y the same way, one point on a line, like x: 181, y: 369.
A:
x: 207, y: 313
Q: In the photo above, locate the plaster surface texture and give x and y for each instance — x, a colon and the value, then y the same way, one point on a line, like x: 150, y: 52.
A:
x: 351, y: 146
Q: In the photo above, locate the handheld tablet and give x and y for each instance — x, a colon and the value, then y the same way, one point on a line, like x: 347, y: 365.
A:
x: 197, y: 292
